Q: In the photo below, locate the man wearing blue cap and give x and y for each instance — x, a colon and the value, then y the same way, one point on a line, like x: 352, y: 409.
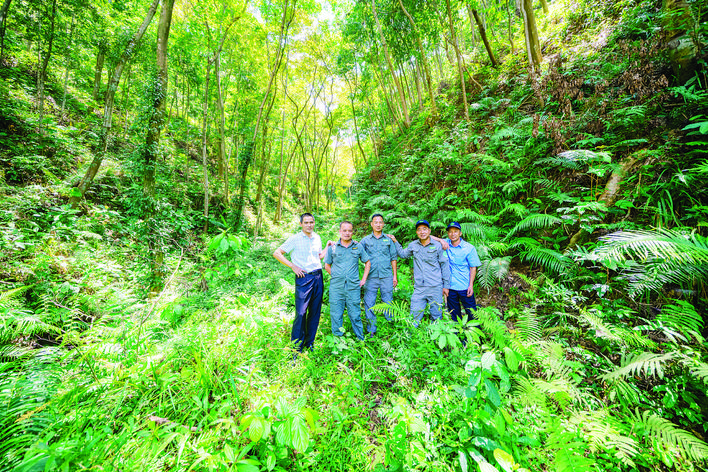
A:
x: 431, y: 272
x: 463, y: 269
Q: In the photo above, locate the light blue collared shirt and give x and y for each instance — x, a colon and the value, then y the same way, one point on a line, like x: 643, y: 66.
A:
x: 462, y: 257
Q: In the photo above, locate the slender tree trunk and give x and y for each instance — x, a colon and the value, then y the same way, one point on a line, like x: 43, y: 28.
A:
x: 157, y: 118
x: 126, y: 94
x: 91, y: 172
x: 286, y: 20
x: 42, y: 76
x: 392, y: 70
x: 98, y: 70
x: 423, y: 58
x: 3, y: 22
x: 483, y: 35
x: 460, y: 69
x: 205, y: 160
x: 223, y: 162
x: 67, y: 63
x: 544, y: 5
x: 533, y: 45
x: 510, y: 32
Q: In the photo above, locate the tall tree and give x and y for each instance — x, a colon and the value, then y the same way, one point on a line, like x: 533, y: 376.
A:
x: 157, y: 117
x: 42, y: 75
x: 3, y: 22
x: 392, y: 70
x: 78, y: 193
x: 458, y: 55
x: 423, y: 58
x: 483, y: 35
x: 533, y: 45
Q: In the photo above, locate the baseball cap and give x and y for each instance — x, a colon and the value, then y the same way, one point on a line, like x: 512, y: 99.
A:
x: 422, y: 222
x: 454, y: 224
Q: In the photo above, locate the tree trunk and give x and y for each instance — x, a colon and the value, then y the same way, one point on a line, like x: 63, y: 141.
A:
x: 460, y: 69
x: 483, y: 35
x: 423, y: 58
x: 682, y: 39
x: 533, y: 46
x: 3, y: 22
x: 245, y: 163
x: 389, y: 62
x: 42, y: 76
x: 98, y: 70
x: 544, y: 5
x: 223, y: 162
x: 91, y: 172
x: 205, y: 160
x: 157, y: 118
x: 67, y: 63
x: 126, y: 93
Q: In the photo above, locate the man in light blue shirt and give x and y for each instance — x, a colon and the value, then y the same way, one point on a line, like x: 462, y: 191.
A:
x: 463, y: 269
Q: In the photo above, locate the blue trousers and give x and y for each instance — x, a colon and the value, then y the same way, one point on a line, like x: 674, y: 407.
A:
x: 373, y: 285
x: 430, y: 296
x: 458, y: 299
x: 308, y: 306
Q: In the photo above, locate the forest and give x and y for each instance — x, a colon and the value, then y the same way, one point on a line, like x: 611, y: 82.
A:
x: 154, y: 154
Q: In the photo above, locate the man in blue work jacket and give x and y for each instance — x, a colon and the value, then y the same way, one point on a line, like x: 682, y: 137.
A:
x: 384, y: 270
x: 463, y: 269
x: 342, y: 263
x: 431, y: 273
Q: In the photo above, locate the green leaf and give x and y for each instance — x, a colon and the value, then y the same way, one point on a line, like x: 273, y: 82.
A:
x: 299, y: 434
x: 492, y: 392
x: 248, y: 465
x: 512, y: 361
x: 505, y: 460
x: 256, y: 429
x: 463, y: 460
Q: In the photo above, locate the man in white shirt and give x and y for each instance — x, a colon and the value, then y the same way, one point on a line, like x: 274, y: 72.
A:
x: 305, y: 249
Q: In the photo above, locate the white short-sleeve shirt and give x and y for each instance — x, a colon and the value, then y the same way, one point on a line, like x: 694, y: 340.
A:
x: 304, y: 251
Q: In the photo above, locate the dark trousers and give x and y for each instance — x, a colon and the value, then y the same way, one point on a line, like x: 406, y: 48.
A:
x: 308, y: 306
x: 455, y: 298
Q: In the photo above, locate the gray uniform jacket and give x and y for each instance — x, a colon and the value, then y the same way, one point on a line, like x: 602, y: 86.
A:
x: 382, y: 251
x: 431, y: 267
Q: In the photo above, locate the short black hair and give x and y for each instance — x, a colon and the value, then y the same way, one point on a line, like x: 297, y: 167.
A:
x: 345, y: 222
x: 302, y: 217
x: 377, y: 214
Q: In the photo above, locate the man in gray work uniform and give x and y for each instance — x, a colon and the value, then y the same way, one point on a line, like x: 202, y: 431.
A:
x: 384, y: 271
x: 342, y: 263
x: 431, y: 273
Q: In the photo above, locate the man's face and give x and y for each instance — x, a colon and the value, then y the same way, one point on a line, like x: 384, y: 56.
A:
x: 423, y: 232
x: 377, y: 224
x: 454, y: 234
x: 308, y: 225
x: 345, y: 232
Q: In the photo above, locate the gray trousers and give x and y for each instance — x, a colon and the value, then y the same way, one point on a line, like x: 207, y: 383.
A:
x: 372, y: 288
x: 430, y: 296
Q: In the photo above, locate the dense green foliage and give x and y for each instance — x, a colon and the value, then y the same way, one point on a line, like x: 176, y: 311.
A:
x: 150, y: 330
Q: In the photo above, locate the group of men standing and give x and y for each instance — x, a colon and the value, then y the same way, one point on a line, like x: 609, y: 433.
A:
x: 442, y: 268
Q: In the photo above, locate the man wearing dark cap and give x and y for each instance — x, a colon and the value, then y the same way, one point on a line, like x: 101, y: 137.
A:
x: 463, y: 269
x: 431, y: 272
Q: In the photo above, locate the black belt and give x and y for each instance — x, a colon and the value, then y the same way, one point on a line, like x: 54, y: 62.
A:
x: 317, y: 271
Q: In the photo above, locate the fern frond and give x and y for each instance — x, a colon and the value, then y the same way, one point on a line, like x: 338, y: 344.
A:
x: 647, y: 363
x: 465, y: 214
x: 665, y: 433
x: 512, y: 187
x: 493, y: 270
x: 516, y: 209
x: 396, y: 308
x: 479, y: 232
x: 569, y: 451
x: 684, y: 317
x: 604, y: 434
x: 529, y: 326
x: 550, y: 260
x: 9, y: 298
x: 527, y: 393
x: 524, y: 242
x: 381, y: 202
x: 490, y: 319
x: 623, y: 336
x: 660, y: 244
x: 534, y: 221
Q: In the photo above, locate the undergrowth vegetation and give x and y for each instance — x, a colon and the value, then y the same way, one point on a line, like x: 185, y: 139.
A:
x: 582, y: 187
